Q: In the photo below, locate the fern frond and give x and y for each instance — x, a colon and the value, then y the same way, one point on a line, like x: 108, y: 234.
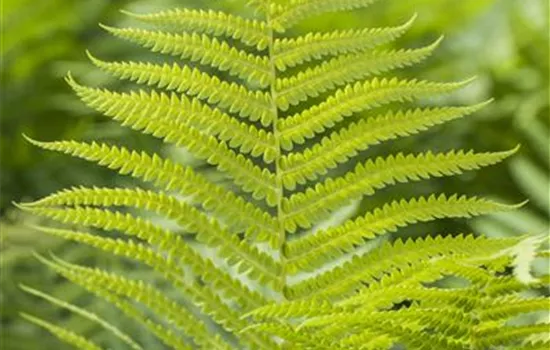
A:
x: 293, y: 309
x: 165, y: 334
x: 204, y: 298
x: 383, y: 297
x: 367, y: 340
x: 250, y: 32
x: 256, y: 264
x: 313, y: 250
x: 151, y: 111
x: 304, y: 208
x: 170, y: 176
x: 353, y: 99
x: 63, y: 334
x: 85, y: 314
x: 158, y: 202
x: 177, y: 252
x: 345, y: 69
x: 509, y: 306
x: 253, y: 105
x: 341, y: 285
x: 287, y: 15
x: 260, y: 182
x: 367, y: 267
x: 509, y: 335
x: 295, y: 51
x: 145, y: 294
x: 342, y: 145
x: 202, y: 49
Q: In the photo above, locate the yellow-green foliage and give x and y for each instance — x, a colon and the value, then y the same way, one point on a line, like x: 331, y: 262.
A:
x: 285, y: 117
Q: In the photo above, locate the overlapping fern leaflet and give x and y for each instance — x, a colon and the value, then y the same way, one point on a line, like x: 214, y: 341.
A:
x: 278, y: 134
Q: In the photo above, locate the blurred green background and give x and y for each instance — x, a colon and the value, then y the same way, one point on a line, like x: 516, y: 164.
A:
x: 503, y: 42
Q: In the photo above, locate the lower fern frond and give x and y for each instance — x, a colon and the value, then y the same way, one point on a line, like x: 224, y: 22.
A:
x: 69, y: 337
x: 85, y: 314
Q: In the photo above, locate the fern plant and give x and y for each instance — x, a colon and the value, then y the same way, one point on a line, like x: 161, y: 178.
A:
x: 286, y: 124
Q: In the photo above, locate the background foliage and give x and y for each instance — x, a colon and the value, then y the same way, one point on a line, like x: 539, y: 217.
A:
x: 503, y: 42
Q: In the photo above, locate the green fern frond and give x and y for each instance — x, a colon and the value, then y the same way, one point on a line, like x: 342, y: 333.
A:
x: 294, y: 11
x: 153, y: 298
x: 304, y: 208
x: 135, y: 115
x: 352, y: 99
x: 292, y: 52
x: 340, y: 146
x: 508, y: 306
x: 319, y: 283
x: 145, y: 294
x: 256, y: 264
x: 253, y: 105
x: 85, y: 314
x: 344, y: 70
x: 166, y: 174
x: 367, y: 267
x: 64, y: 335
x: 202, y: 49
x: 216, y: 23
x: 510, y: 335
x: 311, y: 251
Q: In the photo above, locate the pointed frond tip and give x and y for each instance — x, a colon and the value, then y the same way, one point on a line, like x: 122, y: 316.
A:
x: 295, y: 51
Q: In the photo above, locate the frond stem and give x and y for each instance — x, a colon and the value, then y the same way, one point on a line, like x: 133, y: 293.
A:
x: 278, y: 169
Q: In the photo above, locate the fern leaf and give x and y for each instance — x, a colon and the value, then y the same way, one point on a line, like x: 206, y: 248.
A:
x: 204, y: 298
x: 353, y: 99
x: 142, y: 111
x: 85, y: 314
x: 253, y: 105
x: 202, y: 49
x: 342, y: 285
x: 157, y: 202
x: 368, y: 267
x: 345, y: 69
x: 250, y: 32
x: 262, y: 182
x: 508, y: 335
x: 340, y: 146
x: 147, y: 295
x: 166, y: 335
x: 62, y: 334
x: 313, y: 250
x: 387, y: 296
x: 295, y: 51
x: 170, y: 176
x: 293, y: 337
x: 304, y: 208
x: 285, y: 16
x: 510, y: 305
x: 367, y: 340
x: 255, y: 263
x: 176, y: 252
x: 293, y: 309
